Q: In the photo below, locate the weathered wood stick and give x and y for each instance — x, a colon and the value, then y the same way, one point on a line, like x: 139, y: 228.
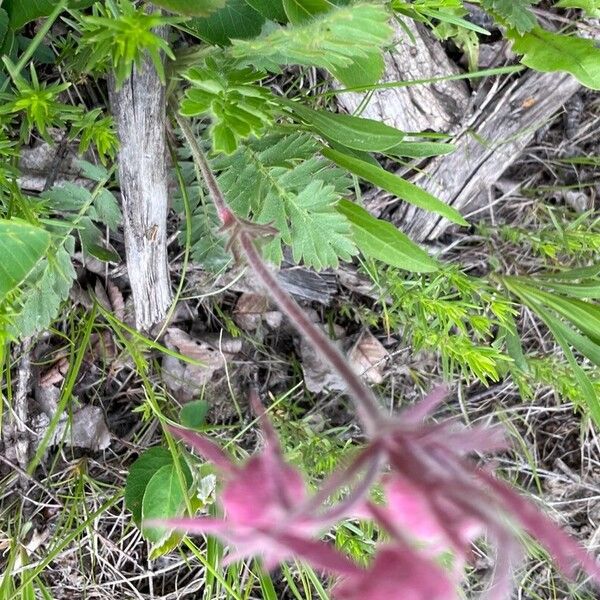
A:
x: 139, y: 109
x: 486, y: 147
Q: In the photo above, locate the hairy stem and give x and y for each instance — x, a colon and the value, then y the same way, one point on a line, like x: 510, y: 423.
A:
x: 242, y: 235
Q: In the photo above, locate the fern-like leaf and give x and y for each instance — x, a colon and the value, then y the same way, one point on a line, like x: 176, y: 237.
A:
x: 514, y: 13
x: 43, y: 293
x: 335, y: 41
x: 278, y: 180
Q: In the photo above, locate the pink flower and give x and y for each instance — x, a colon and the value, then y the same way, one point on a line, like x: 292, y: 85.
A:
x: 436, y: 495
x: 262, y: 502
x: 397, y: 573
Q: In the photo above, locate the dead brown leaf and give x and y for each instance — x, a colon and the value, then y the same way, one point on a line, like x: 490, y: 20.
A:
x: 368, y: 357
x: 184, y: 379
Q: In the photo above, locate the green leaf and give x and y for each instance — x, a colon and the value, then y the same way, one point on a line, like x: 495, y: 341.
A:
x: 270, y: 9
x: 140, y: 474
x: 334, y: 40
x: 164, y: 498
x: 357, y: 133
x: 514, y: 13
x: 22, y: 12
x: 548, y: 52
x: 514, y: 346
x: 238, y: 109
x: 279, y: 180
x: 3, y: 26
x: 237, y: 20
x: 395, y: 185
x: 22, y: 246
x: 193, y: 414
x: 195, y: 8
x: 92, y: 242
x: 300, y: 11
x: 590, y: 7
x: 381, y: 240
x: 107, y: 210
x: 44, y: 291
x: 364, y: 70
x: 421, y: 149
x: 562, y: 335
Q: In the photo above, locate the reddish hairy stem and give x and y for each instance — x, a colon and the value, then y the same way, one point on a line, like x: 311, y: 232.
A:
x: 364, y: 399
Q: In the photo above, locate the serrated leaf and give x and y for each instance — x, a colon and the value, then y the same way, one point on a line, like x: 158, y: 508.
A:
x: 44, y: 291
x: 236, y: 20
x: 193, y: 414
x: 548, y: 52
x: 140, y: 473
x: 332, y: 41
x: 395, y: 185
x: 278, y: 180
x: 514, y: 13
x: 164, y: 498
x: 366, y: 135
x: 195, y: 8
x: 107, y: 209
x: 22, y: 12
x: 22, y: 246
x: 381, y: 240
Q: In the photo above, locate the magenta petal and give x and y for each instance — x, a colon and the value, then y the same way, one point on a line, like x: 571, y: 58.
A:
x: 398, y: 574
x: 416, y: 414
x: 208, y: 449
x: 567, y: 553
x: 319, y: 554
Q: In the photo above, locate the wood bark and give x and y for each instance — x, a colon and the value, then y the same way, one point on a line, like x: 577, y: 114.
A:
x: 139, y: 109
x: 488, y: 143
x: 438, y: 107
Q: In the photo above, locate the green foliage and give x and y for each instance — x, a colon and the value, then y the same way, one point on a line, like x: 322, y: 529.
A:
x: 513, y: 13
x: 23, y: 11
x: 366, y: 135
x: 43, y: 292
x: 405, y: 190
x: 122, y: 40
x: 193, y: 414
x: 22, y: 246
x: 140, y: 474
x: 381, y: 240
x: 590, y: 7
x: 36, y: 103
x: 564, y: 239
x: 323, y: 42
x: 582, y: 330
x: 279, y: 180
x: 237, y: 108
x: 236, y: 20
x: 93, y: 129
x: 191, y: 7
x: 449, y: 313
x: 547, y: 51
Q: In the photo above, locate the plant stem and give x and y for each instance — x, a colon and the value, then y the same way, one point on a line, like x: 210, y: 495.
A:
x: 241, y: 232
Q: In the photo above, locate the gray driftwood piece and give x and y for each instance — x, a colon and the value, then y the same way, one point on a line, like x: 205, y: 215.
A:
x: 439, y: 107
x: 489, y: 142
x: 140, y: 114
